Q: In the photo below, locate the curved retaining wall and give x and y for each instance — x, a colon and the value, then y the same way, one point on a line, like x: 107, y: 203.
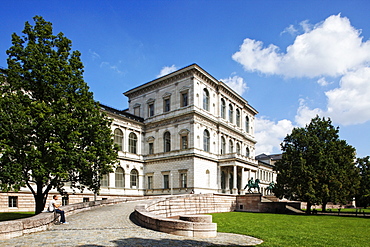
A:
x: 154, y: 215
x: 43, y: 221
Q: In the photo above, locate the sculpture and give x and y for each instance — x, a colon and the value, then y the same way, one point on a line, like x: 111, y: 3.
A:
x: 252, y: 185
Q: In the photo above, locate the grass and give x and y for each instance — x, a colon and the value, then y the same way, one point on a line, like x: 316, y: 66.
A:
x: 15, y: 215
x: 296, y: 230
x: 350, y: 210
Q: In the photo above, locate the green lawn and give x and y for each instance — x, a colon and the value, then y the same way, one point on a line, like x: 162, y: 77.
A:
x: 297, y: 230
x: 15, y: 215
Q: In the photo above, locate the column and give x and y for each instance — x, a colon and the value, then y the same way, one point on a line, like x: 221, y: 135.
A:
x: 235, y: 175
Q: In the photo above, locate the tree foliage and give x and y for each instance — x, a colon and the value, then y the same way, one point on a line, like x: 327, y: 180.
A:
x: 51, y: 129
x: 316, y: 166
x: 363, y: 197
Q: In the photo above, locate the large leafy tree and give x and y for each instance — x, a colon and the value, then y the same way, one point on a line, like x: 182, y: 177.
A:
x: 363, y: 197
x: 51, y: 129
x: 316, y: 166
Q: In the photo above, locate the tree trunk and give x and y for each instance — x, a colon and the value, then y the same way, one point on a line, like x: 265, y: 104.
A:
x: 308, y: 210
x: 324, y: 206
x: 40, y: 199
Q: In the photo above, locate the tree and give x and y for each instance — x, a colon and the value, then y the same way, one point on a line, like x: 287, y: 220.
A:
x: 52, y: 131
x: 316, y: 166
x: 363, y: 197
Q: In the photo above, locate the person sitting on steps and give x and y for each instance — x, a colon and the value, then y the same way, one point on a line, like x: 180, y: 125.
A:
x: 54, y: 207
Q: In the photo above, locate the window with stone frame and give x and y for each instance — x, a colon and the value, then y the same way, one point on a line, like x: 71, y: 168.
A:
x: 183, y: 180
x: 231, y: 146
x: 237, y: 148
x: 118, y: 139
x: 223, y: 109
x: 150, y: 182
x: 166, y: 181
x: 12, y: 201
x: 151, y: 148
x: 119, y: 178
x: 231, y: 113
x: 132, y: 143
x: 237, y: 118
x: 65, y: 200
x: 137, y: 110
x: 247, y: 152
x: 205, y: 99
x: 184, y: 99
x: 166, y: 102
x: 151, y: 109
x: 206, y: 140
x: 223, y: 145
x: 184, y: 142
x: 167, y: 141
x: 247, y: 124
x: 184, y: 133
x: 134, y: 179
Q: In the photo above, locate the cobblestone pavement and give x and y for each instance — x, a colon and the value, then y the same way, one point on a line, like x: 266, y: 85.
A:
x: 111, y: 226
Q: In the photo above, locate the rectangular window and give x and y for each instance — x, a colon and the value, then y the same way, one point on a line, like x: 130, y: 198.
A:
x: 150, y: 182
x: 85, y: 199
x: 183, y: 180
x: 137, y: 111
x: 166, y: 181
x: 151, y: 109
x: 184, y: 99
x: 167, y: 105
x: 13, y: 201
x: 65, y: 201
x: 184, y: 142
x: 151, y: 148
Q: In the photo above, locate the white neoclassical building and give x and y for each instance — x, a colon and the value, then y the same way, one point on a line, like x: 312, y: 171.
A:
x: 183, y: 132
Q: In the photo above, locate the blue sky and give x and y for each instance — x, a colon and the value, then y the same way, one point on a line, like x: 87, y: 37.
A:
x: 290, y: 60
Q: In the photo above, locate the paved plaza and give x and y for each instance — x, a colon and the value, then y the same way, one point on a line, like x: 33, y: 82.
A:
x: 111, y: 226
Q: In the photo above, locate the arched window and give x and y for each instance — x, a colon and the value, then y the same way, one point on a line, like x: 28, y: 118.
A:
x: 167, y: 141
x: 247, y: 124
x: 105, y: 180
x: 206, y: 138
x: 231, y: 113
x: 118, y: 137
x: 247, y: 152
x: 223, y: 145
x: 208, y: 178
x: 238, y: 148
x: 205, y: 99
x: 231, y: 146
x: 237, y: 117
x: 223, y: 109
x: 132, y: 143
x: 120, y: 178
x: 134, y: 179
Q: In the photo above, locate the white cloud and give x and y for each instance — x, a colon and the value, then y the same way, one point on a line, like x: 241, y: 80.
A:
x: 111, y: 67
x: 291, y: 30
x: 94, y: 55
x: 236, y: 83
x: 350, y: 103
x: 330, y: 48
x: 323, y: 82
x: 269, y: 134
x: 167, y: 70
x: 305, y: 114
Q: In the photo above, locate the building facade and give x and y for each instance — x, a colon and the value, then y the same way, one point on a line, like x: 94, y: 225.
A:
x: 185, y: 132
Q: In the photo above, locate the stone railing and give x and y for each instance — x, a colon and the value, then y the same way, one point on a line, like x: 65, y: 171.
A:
x: 184, y: 210
x: 43, y: 221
